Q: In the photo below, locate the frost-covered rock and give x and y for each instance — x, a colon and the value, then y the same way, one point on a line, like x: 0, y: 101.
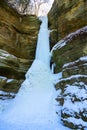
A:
x: 76, y: 67
x: 70, y: 48
x: 68, y: 29
x: 74, y: 110
x: 73, y: 94
x: 6, y: 95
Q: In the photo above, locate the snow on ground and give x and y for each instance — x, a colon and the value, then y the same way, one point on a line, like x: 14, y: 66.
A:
x: 57, y: 77
x: 74, y: 108
x: 4, y: 104
x: 5, y: 99
x: 80, y: 95
x: 34, y: 108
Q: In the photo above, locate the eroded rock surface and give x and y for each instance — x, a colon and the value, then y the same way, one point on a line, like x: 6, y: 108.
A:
x: 68, y: 24
x: 18, y: 38
x: 66, y: 16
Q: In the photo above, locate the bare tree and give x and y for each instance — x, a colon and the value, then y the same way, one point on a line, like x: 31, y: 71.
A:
x: 28, y: 6
x: 38, y: 4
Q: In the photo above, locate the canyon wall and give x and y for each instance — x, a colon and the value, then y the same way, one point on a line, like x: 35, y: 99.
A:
x: 18, y: 38
x: 68, y: 25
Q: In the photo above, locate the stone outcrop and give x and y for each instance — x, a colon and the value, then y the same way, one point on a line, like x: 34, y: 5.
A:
x: 68, y: 24
x: 70, y: 48
x: 18, y: 38
x: 67, y: 16
x: 73, y: 99
x: 70, y: 57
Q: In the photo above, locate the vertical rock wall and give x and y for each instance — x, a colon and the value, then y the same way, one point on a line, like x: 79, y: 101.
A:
x: 18, y: 38
x: 70, y: 57
x: 67, y: 16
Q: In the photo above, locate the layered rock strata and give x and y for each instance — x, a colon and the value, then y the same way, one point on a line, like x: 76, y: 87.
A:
x: 65, y: 17
x: 18, y: 38
x: 68, y: 25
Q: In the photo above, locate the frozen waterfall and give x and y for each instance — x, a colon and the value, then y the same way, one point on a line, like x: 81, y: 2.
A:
x: 34, y: 106
x: 43, y: 49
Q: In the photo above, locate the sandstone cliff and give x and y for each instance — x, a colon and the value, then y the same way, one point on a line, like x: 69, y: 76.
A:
x: 18, y: 38
x: 68, y: 24
x: 67, y: 16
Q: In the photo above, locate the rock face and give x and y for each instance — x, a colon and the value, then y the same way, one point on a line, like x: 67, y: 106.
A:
x: 73, y: 96
x: 67, y: 16
x: 68, y: 22
x: 18, y: 38
x: 53, y: 23
x: 70, y: 48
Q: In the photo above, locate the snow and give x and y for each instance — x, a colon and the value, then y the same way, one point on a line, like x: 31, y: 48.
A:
x: 75, y: 103
x: 84, y: 58
x: 57, y: 77
x: 52, y: 67
x: 59, y: 45
x: 68, y: 38
x: 71, y: 77
x: 77, y: 121
x: 4, y: 103
x: 73, y: 107
x: 2, y: 92
x: 45, y: 7
x: 4, y: 54
x: 35, y: 107
x: 2, y: 77
x: 76, y: 91
x: 42, y: 7
x: 10, y: 80
x: 78, y: 32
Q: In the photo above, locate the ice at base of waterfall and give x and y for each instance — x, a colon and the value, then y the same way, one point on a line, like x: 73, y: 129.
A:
x: 34, y: 107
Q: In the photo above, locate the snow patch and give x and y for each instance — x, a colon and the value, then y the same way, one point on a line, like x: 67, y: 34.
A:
x: 71, y: 77
x: 84, y: 59
x: 68, y: 38
x: 59, y: 45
